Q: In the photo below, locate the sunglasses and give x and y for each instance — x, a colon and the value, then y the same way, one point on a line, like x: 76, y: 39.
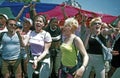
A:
x: 13, y: 25
x: 97, y: 23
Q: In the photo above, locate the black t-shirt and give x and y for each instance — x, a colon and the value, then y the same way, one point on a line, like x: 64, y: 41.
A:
x: 116, y: 59
x: 56, y: 37
x: 94, y: 46
x: 55, y: 33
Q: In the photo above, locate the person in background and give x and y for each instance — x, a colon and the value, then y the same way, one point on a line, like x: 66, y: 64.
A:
x: 115, y: 63
x: 106, y: 31
x: 3, y: 19
x: 82, y: 28
x: 69, y: 54
x: 11, y: 45
x: 56, y: 34
x: 39, y: 42
x: 25, y: 32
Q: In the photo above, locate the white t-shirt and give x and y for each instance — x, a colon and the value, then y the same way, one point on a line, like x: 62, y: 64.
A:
x: 37, y: 41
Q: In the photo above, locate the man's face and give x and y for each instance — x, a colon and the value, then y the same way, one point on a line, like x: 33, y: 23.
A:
x: 11, y: 26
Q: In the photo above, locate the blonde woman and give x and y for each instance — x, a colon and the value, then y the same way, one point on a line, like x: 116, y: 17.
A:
x: 69, y: 58
x: 94, y: 49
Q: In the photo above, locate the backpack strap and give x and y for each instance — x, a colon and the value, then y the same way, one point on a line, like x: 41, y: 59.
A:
x: 79, y: 56
x: 1, y: 36
x: 75, y: 46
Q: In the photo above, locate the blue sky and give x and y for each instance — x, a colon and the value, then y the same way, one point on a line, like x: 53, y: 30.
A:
x: 111, y: 7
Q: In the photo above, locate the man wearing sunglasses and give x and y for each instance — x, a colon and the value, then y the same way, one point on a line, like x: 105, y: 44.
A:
x: 10, y: 42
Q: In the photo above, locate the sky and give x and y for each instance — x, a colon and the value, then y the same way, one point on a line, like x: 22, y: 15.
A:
x: 111, y: 7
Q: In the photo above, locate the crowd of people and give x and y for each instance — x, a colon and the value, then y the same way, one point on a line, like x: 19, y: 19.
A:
x: 40, y: 48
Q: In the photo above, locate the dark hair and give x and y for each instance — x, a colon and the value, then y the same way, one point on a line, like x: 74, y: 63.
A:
x: 10, y: 20
x: 52, y: 19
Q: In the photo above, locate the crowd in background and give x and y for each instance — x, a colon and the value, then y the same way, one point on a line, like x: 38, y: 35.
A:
x: 38, y: 48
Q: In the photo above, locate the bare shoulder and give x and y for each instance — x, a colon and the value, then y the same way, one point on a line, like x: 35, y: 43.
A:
x: 77, y: 38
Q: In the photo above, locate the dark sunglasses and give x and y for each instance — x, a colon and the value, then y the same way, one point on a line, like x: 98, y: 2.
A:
x: 97, y: 23
x: 13, y: 25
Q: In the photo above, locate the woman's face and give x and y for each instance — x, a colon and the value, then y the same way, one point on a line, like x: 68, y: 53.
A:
x: 96, y: 26
x: 26, y: 25
x: 54, y: 24
x: 66, y: 30
x: 104, y: 28
x: 39, y: 24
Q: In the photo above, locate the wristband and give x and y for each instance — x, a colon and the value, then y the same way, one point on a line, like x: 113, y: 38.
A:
x: 84, y: 66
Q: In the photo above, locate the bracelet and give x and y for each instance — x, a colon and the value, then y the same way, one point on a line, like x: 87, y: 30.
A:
x: 84, y: 66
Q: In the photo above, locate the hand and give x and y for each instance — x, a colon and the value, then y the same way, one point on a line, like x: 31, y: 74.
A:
x: 115, y: 53
x: 79, y: 72
x: 34, y: 64
x: 26, y: 6
x: 18, y: 30
x: 32, y: 5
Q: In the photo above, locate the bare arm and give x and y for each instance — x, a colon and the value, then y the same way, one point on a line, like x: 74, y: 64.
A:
x: 21, y: 11
x: 33, y: 10
x: 63, y: 11
x: 45, y: 52
x: 79, y: 44
x: 20, y: 38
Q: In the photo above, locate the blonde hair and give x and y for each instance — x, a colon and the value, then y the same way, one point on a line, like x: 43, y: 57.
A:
x: 72, y: 22
x: 95, y: 19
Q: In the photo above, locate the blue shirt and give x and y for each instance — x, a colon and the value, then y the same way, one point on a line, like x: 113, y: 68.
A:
x: 10, y: 47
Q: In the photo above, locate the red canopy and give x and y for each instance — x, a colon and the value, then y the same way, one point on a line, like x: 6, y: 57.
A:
x: 72, y: 11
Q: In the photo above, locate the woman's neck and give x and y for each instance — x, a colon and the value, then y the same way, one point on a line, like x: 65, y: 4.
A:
x: 69, y: 36
x: 39, y: 31
x: 25, y: 31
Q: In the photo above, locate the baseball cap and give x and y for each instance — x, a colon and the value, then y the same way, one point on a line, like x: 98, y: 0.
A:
x: 4, y: 15
x: 28, y: 19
